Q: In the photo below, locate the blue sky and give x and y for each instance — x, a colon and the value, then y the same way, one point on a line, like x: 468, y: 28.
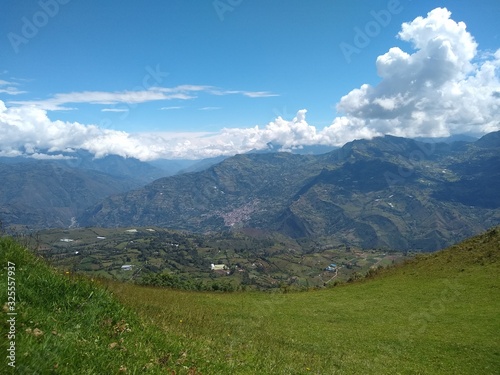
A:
x: 177, y: 66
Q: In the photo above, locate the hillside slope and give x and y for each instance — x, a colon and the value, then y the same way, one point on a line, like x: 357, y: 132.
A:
x: 50, y: 193
x: 387, y: 192
x: 46, y: 194
x: 437, y: 314
x: 70, y: 325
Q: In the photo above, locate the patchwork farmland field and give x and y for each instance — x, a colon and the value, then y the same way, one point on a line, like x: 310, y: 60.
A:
x: 252, y: 261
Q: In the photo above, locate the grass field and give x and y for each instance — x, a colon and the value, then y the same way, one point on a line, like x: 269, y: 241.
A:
x: 436, y: 314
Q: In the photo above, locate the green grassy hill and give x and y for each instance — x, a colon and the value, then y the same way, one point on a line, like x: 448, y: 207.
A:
x: 436, y: 314
x: 66, y: 324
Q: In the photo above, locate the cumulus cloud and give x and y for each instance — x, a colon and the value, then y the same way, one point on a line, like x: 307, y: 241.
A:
x: 442, y: 86
x: 28, y: 130
x: 437, y: 90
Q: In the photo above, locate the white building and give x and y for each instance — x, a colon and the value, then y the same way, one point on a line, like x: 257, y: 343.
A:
x: 218, y: 267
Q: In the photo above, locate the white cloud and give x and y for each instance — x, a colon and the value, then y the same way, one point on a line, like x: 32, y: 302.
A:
x: 58, y: 101
x: 114, y: 110
x: 250, y: 94
x: 11, y: 153
x: 437, y: 90
x: 10, y: 88
x: 30, y: 130
x: 183, y: 92
x: 208, y: 108
x: 42, y: 156
x: 442, y: 86
x: 170, y: 108
x: 258, y: 94
x: 11, y: 91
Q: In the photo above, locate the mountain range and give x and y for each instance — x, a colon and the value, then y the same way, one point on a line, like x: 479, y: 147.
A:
x: 52, y: 193
x: 388, y: 192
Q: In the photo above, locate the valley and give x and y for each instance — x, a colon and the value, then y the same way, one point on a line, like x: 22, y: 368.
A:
x: 249, y: 261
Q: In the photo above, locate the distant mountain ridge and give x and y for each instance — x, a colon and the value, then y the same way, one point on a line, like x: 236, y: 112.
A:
x: 52, y: 193
x: 386, y: 192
